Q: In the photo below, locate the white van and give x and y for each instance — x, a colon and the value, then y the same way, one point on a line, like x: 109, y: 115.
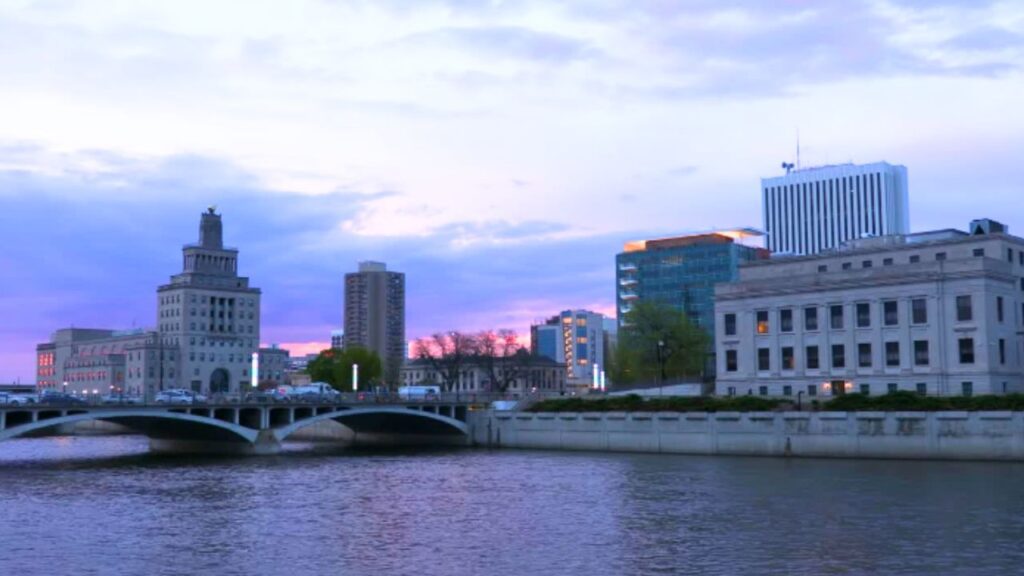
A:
x: 419, y: 392
x: 319, y: 390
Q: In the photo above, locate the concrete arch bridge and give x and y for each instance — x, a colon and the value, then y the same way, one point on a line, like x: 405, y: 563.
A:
x: 256, y: 429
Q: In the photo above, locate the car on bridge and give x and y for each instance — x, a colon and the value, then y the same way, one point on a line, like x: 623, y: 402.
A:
x: 16, y: 399
x: 179, y: 396
x: 54, y: 398
x: 121, y: 399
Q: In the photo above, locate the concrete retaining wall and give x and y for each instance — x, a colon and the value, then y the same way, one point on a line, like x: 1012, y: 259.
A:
x: 904, y: 435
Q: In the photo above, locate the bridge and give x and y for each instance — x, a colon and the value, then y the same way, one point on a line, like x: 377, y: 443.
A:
x: 250, y: 428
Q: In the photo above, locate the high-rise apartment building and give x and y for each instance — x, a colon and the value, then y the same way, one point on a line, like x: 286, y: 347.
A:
x: 375, y: 314
x: 813, y: 209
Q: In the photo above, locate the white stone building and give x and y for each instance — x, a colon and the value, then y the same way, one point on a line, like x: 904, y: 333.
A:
x: 939, y: 313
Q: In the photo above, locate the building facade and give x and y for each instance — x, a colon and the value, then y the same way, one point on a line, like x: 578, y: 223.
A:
x: 575, y: 338
x: 86, y: 361
x: 938, y: 313
x: 273, y: 363
x: 337, y: 339
x: 814, y: 209
x: 681, y: 272
x: 209, y: 316
x: 208, y: 326
x: 375, y: 314
x: 535, y: 374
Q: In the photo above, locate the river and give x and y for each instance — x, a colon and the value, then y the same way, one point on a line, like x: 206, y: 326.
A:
x: 104, y: 506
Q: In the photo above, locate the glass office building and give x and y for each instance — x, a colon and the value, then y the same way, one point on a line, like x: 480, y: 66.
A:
x: 682, y: 271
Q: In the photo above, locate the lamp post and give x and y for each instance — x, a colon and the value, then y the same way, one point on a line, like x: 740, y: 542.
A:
x: 661, y: 368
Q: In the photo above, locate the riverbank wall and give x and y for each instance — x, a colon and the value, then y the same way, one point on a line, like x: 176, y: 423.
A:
x: 898, y: 435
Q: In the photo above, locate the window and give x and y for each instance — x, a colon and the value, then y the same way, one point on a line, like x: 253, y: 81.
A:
x: 890, y: 313
x: 999, y: 308
x: 864, y: 355
x: 836, y: 316
x: 731, y: 362
x: 967, y: 388
x: 1009, y: 255
x: 787, y: 358
x: 838, y: 356
x: 919, y: 311
x: 812, y: 358
x: 865, y: 264
x: 763, y: 359
x: 887, y: 262
x: 979, y: 252
x: 922, y: 388
x: 863, y: 315
x: 865, y: 389
x: 891, y: 387
x: 810, y: 318
x: 812, y: 390
x: 963, y: 308
x: 1022, y: 283
x: 1002, y: 351
x: 847, y: 265
x: 786, y: 320
x: 730, y: 324
x: 915, y: 259
x: 892, y: 354
x: 762, y: 322
x: 822, y: 268
x: 967, y: 350
x: 920, y: 352
x: 787, y: 390
x: 762, y: 390
x: 940, y: 256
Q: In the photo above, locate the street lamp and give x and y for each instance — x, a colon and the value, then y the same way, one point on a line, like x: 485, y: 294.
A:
x: 661, y: 367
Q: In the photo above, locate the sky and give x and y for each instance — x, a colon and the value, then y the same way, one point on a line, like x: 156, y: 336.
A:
x: 497, y: 152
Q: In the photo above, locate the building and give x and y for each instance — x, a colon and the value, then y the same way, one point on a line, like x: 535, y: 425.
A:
x: 209, y: 316
x: 575, y: 338
x: 93, y: 361
x: 208, y: 321
x: 533, y: 374
x: 814, y: 209
x: 375, y: 314
x: 938, y: 313
x: 273, y: 364
x: 337, y: 339
x: 682, y: 272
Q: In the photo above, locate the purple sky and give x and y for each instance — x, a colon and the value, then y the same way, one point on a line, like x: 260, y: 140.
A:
x: 499, y: 153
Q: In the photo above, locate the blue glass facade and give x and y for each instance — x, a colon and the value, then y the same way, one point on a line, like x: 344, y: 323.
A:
x: 681, y: 272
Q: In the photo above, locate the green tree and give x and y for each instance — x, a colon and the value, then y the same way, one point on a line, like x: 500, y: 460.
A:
x: 658, y: 344
x: 335, y: 368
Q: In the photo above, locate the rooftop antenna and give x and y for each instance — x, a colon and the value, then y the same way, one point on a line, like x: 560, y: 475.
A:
x: 798, y: 148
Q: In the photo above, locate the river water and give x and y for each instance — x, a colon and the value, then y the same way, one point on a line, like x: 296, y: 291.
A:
x: 103, y: 505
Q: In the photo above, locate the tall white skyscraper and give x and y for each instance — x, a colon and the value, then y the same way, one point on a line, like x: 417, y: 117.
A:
x: 813, y: 209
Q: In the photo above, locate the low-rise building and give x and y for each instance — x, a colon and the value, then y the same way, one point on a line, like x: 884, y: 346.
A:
x: 531, y: 374
x: 93, y: 361
x: 273, y: 366
x: 938, y: 313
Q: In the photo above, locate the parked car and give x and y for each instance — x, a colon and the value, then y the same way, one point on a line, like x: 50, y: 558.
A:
x: 278, y: 394
x: 121, y: 399
x: 16, y: 399
x: 60, y: 398
x: 179, y: 396
x: 317, y: 391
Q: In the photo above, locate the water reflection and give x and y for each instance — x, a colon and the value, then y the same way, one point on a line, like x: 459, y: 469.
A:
x: 106, y: 506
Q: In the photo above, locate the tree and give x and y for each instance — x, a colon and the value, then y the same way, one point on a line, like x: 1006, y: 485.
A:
x: 659, y: 343
x: 335, y: 368
x: 502, y: 358
x: 446, y: 353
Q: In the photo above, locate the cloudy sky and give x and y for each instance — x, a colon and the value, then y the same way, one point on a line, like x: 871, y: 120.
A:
x: 498, y: 152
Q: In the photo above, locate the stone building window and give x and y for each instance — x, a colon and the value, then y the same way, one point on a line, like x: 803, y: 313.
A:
x: 967, y: 350
x: 964, y: 312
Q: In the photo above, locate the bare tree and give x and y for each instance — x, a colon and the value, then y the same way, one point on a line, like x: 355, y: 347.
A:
x: 502, y: 357
x: 447, y: 354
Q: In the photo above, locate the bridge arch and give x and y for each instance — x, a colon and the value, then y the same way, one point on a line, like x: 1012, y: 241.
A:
x: 382, y: 419
x: 156, y: 424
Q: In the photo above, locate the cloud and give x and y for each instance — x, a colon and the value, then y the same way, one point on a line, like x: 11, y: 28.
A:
x: 507, y: 42
x: 986, y: 38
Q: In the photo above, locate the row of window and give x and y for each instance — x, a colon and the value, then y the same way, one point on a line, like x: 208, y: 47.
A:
x: 966, y: 388
x: 812, y: 359
x: 862, y: 315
